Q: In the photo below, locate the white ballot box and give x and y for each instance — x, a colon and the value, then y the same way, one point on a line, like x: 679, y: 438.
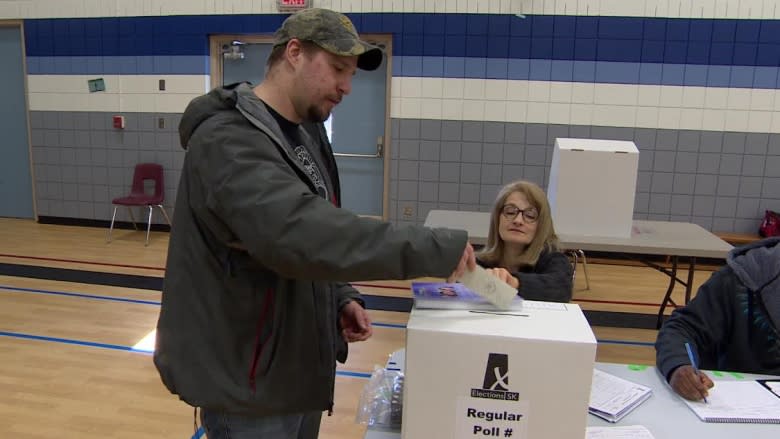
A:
x: 592, y: 186
x: 482, y: 374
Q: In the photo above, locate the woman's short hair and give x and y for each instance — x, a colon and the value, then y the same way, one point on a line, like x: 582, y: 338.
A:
x: 545, y: 237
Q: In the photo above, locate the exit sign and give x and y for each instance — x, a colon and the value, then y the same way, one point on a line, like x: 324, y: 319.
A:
x: 293, y: 5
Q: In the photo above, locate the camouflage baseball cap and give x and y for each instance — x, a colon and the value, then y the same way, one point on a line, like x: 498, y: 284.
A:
x: 331, y: 31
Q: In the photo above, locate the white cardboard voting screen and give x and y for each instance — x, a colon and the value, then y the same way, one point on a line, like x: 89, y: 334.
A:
x: 592, y: 186
x: 475, y: 374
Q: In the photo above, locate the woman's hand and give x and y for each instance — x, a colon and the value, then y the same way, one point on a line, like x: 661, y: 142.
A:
x: 505, y: 275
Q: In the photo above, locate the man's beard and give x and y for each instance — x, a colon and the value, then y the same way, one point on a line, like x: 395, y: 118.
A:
x: 314, y: 114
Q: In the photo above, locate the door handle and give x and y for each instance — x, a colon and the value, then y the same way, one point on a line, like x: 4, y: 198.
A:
x: 380, y: 151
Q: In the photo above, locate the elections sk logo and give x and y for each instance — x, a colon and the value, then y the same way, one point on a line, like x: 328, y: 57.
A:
x: 496, y: 382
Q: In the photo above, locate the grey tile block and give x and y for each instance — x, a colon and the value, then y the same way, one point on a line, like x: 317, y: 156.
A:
x: 492, y: 153
x: 706, y: 184
x: 470, y: 173
x: 774, y: 144
x: 115, y: 158
x: 51, y: 138
x: 70, y: 192
x: 408, y: 170
x: 430, y: 150
x: 423, y: 208
x: 644, y: 138
x: 579, y: 131
x: 664, y: 161
x: 428, y: 192
x: 640, y: 216
x: 450, y: 151
x: 44, y: 207
x: 728, y: 185
x: 535, y: 174
x: 746, y: 225
x: 430, y: 129
x: 753, y: 165
x: 178, y: 160
x: 771, y: 189
x: 641, y: 202
x: 646, y: 159
x: 66, y: 120
x: 395, y: 128
x: 410, y: 129
x: 37, y: 137
x: 684, y: 184
x: 722, y: 224
x: 514, y: 132
x: 84, y: 175
x: 750, y: 186
x: 490, y: 174
x: 407, y: 190
x: 666, y: 140
x: 660, y: 204
x: 536, y: 134
x: 488, y: 194
x: 644, y: 181
x: 535, y: 155
x: 471, y: 152
x: 69, y: 174
x: 81, y: 120
x: 130, y: 157
x: 97, y: 139
x: 494, y: 132
x: 730, y: 164
x: 469, y: 193
x: 556, y: 132
x: 429, y: 171
x: 83, y: 156
x: 703, y: 221
x: 658, y: 216
x: 86, y: 210
x: 83, y: 138
x: 394, y: 169
x: 53, y: 173
x: 686, y: 162
x: 749, y: 208
x: 146, y: 156
x: 100, y: 194
x: 53, y: 191
x: 514, y: 154
x: 67, y: 138
x: 99, y: 157
x: 770, y: 204
x: 449, y: 172
x: 451, y: 130
x: 680, y: 218
x: 734, y: 143
x: 772, y: 168
x: 688, y: 140
x: 36, y: 120
x: 449, y: 192
x: 756, y: 143
x: 146, y: 122
x: 52, y: 156
x: 709, y: 163
x: 473, y: 131
x: 100, y: 121
x: 146, y: 140
x: 70, y: 209
x: 164, y: 140
x: 711, y: 141
x: 725, y: 207
x: 662, y: 183
x: 409, y: 150
x: 510, y: 173
x: 100, y: 176
x: 51, y: 120
x: 703, y: 205
x: 395, y: 146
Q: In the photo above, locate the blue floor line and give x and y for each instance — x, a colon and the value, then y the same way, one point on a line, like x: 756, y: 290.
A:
x: 199, y: 433
x: 71, y: 341
x: 79, y: 295
x: 627, y: 342
x: 388, y: 325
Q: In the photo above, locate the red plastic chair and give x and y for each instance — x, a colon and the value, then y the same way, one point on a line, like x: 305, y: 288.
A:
x: 139, y: 197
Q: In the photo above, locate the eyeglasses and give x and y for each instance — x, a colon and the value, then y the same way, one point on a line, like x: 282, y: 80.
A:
x: 510, y: 212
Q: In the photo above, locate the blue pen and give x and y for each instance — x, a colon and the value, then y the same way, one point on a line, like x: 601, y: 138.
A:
x: 693, y: 362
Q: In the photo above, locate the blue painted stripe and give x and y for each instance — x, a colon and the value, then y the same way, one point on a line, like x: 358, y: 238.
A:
x: 618, y: 39
x: 602, y: 72
x: 388, y: 325
x: 346, y: 373
x: 80, y: 295
x: 199, y: 433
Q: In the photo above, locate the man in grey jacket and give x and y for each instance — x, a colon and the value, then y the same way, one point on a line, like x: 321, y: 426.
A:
x: 256, y: 308
x: 732, y: 324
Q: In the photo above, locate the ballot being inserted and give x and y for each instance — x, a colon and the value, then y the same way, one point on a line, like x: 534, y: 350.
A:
x: 493, y: 289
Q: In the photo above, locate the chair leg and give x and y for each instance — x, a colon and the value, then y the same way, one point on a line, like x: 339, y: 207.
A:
x: 110, y: 228
x: 165, y: 214
x: 149, y: 224
x: 132, y: 217
x: 585, y: 268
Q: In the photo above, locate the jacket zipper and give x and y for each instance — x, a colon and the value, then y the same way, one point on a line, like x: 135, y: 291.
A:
x: 268, y: 301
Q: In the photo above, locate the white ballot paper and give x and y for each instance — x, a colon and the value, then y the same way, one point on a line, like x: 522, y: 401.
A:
x: 496, y: 291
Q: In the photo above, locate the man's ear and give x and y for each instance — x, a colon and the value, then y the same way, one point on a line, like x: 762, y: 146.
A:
x: 293, y: 52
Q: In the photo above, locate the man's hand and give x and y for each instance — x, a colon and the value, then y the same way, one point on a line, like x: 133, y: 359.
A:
x: 505, y: 275
x: 467, y: 261
x: 690, y: 385
x: 355, y: 323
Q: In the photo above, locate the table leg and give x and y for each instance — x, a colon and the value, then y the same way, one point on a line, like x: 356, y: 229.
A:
x: 668, y: 296
x: 689, y: 284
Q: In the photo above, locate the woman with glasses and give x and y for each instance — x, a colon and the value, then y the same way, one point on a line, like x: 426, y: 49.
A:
x: 522, y: 248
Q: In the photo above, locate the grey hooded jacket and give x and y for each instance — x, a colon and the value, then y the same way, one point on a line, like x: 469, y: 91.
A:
x: 258, y: 264
x: 734, y: 321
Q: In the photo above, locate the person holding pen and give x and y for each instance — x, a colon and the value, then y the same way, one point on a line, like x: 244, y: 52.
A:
x: 732, y: 324
x: 522, y: 247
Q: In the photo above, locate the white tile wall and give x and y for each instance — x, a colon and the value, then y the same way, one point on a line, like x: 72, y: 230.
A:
x: 631, y: 8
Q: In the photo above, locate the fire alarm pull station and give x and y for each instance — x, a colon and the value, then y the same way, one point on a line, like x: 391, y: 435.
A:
x: 119, y: 122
